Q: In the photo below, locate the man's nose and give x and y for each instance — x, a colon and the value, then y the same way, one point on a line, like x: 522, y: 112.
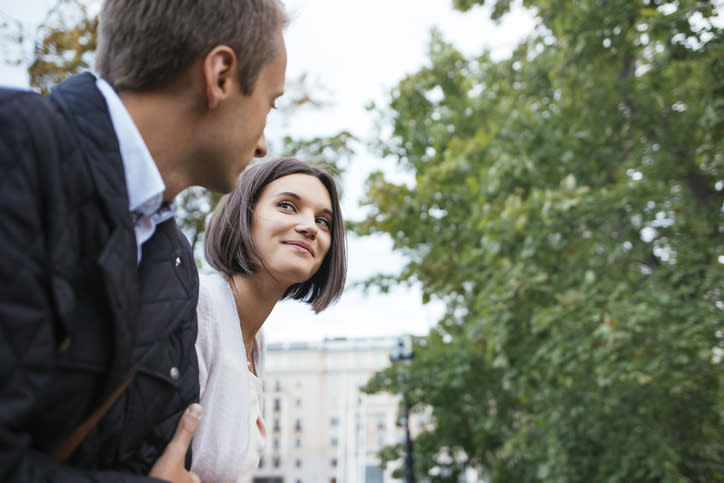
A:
x: 261, y: 147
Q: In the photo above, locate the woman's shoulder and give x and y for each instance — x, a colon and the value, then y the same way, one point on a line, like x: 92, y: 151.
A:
x: 211, y: 280
x: 212, y: 288
x: 214, y: 300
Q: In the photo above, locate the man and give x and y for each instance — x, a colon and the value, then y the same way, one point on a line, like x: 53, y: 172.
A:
x: 97, y: 309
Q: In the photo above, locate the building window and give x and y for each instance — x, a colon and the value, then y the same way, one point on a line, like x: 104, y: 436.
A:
x: 277, y: 385
x: 373, y: 474
x: 277, y: 404
x: 334, y: 442
x: 276, y: 462
x: 333, y: 462
x: 298, y: 443
x: 276, y: 425
x: 334, y: 421
x: 261, y: 462
x: 298, y: 403
x: 298, y: 463
x: 298, y: 424
x: 381, y: 440
x: 298, y: 383
x: 276, y: 443
x: 334, y: 363
x: 381, y: 421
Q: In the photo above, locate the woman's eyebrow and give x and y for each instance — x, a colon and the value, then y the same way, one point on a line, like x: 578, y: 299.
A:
x: 289, y: 193
x: 297, y: 197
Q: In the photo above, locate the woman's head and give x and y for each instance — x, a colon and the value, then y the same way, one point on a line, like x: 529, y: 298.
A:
x: 280, y: 218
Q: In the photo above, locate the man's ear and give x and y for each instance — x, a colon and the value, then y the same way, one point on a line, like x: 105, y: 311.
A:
x: 219, y: 74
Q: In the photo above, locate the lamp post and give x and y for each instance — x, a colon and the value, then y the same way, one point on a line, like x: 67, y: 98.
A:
x: 403, y: 353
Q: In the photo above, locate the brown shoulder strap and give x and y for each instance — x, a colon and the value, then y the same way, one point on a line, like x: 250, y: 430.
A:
x: 66, y: 448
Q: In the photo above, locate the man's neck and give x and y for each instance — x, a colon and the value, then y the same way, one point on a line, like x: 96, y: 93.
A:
x: 164, y: 122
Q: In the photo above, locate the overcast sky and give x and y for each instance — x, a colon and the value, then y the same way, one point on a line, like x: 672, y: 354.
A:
x: 358, y: 50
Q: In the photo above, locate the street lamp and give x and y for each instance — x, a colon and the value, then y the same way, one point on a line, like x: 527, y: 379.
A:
x: 403, y: 353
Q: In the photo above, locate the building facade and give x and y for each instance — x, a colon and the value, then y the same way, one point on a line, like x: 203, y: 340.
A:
x: 320, y: 427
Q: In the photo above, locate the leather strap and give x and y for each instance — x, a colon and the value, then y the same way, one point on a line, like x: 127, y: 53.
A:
x: 69, y: 445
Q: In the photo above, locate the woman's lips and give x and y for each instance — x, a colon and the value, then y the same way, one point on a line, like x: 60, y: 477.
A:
x: 302, y: 245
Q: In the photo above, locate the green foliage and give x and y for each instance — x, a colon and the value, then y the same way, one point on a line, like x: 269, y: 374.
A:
x: 567, y: 207
x: 68, y: 41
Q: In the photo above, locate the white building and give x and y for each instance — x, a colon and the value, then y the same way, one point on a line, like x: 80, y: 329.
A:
x: 320, y: 428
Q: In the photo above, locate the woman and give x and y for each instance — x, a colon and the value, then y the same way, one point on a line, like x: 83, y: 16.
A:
x: 278, y: 235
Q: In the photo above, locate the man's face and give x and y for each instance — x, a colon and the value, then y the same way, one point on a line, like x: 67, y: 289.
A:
x: 237, y: 135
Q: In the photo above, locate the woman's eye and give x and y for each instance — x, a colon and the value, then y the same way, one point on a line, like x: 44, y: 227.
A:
x: 286, y: 205
x: 324, y: 222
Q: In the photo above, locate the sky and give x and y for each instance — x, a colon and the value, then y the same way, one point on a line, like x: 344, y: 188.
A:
x: 358, y: 50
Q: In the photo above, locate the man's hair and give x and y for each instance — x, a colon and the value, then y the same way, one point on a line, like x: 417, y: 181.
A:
x: 229, y: 246
x: 144, y: 45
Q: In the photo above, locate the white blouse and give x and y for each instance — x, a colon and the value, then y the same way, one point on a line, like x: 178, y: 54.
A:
x: 230, y: 439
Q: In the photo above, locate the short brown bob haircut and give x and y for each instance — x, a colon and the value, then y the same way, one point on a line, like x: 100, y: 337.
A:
x: 144, y: 45
x: 230, y: 249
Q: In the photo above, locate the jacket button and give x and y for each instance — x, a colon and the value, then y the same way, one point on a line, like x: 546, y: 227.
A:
x: 178, y: 261
x: 64, y: 345
x: 174, y: 373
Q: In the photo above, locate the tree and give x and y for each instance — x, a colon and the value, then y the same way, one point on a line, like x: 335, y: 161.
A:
x: 65, y: 45
x: 567, y: 207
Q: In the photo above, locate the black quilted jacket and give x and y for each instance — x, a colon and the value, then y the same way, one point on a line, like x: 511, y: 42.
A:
x: 77, y: 315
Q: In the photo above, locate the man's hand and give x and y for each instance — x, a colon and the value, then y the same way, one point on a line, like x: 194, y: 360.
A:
x: 170, y: 466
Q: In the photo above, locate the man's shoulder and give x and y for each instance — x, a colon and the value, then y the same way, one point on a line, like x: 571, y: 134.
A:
x: 9, y: 94
x: 76, y: 96
x: 30, y: 124
x: 17, y: 104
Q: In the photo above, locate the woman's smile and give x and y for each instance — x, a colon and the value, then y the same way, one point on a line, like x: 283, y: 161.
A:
x: 300, y: 246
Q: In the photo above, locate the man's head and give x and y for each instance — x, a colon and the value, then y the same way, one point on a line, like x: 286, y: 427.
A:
x: 144, y: 45
x: 205, y: 72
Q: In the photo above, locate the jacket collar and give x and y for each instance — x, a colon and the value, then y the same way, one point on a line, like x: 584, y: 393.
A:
x: 86, y: 111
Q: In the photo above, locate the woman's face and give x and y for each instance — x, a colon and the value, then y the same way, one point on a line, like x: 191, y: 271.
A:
x: 292, y: 227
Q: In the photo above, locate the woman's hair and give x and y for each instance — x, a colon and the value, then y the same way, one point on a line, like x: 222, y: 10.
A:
x: 144, y: 45
x: 229, y: 246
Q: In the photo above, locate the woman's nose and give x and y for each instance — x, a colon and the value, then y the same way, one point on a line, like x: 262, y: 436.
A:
x: 308, y: 227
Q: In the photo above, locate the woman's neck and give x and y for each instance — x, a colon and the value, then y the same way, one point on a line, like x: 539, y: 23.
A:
x: 255, y: 299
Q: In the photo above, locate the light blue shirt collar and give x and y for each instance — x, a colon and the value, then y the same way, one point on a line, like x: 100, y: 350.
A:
x: 143, y: 180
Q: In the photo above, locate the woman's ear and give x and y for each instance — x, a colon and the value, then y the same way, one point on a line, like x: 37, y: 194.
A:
x: 220, y: 66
